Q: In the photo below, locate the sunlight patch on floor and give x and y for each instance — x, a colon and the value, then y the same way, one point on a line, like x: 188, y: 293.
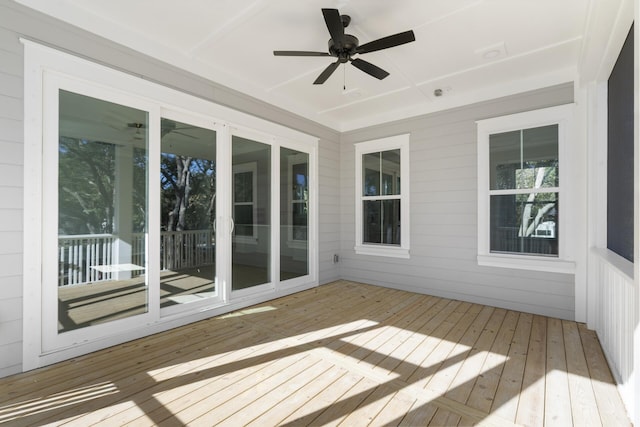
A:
x: 56, y: 401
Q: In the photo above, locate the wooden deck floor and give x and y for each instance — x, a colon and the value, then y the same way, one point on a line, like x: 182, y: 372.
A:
x: 344, y: 353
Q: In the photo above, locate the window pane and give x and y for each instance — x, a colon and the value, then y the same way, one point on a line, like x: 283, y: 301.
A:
x: 243, y: 187
x: 540, y: 157
x: 391, y: 222
x: 525, y: 223
x: 251, y: 249
x: 504, y: 160
x: 243, y: 218
x: 371, y: 174
x: 524, y: 159
x: 381, y: 221
x: 391, y: 172
x: 372, y: 221
x: 188, y: 212
x: 102, y: 211
x: 294, y: 208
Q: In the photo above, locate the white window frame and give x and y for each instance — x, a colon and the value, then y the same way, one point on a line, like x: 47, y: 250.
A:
x: 400, y: 142
x: 243, y: 168
x: 301, y: 158
x: 561, y: 115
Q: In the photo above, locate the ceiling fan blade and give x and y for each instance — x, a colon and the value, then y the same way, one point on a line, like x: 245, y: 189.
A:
x: 326, y: 73
x: 334, y: 25
x: 387, y: 42
x: 369, y: 68
x: 298, y: 53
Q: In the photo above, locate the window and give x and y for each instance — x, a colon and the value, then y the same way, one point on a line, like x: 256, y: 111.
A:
x: 244, y: 196
x: 382, y: 197
x: 522, y: 183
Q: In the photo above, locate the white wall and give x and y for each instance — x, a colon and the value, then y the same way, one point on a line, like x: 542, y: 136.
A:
x: 17, y: 21
x: 444, y: 214
x: 11, y: 161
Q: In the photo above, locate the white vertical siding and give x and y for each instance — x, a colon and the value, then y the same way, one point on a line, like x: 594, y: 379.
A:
x: 444, y: 215
x: 616, y: 318
x: 11, y: 183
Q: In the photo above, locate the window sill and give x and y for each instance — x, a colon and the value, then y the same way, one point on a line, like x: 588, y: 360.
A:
x: 524, y: 262
x: 386, y: 251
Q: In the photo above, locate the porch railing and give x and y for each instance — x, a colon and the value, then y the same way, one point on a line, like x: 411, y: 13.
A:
x: 86, y: 258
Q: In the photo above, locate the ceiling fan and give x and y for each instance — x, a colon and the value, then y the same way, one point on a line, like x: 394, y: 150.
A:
x: 343, y: 46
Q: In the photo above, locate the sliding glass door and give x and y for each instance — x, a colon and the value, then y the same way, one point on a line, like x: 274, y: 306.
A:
x: 251, y: 253
x: 188, y: 184
x: 102, y: 212
x: 156, y: 213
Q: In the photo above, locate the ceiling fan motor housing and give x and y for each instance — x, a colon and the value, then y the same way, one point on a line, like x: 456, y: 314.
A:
x: 345, y: 49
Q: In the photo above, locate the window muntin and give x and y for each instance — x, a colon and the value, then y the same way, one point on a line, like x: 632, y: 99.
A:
x: 382, y: 197
x: 524, y: 191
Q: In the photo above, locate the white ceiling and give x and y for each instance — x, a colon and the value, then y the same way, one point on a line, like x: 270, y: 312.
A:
x: 530, y: 44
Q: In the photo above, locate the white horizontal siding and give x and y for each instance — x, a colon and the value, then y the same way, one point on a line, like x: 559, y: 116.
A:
x: 11, y: 195
x: 329, y: 209
x: 444, y: 215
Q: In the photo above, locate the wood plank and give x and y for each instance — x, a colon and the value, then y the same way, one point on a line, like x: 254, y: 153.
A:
x: 403, y: 359
x: 420, y: 414
x: 612, y: 411
x: 505, y: 403
x: 484, y: 390
x: 441, y: 381
x: 441, y: 354
x: 221, y: 404
x: 394, y: 411
x: 431, y: 319
x: 462, y: 385
x: 185, y: 379
x: 532, y: 397
x: 348, y: 402
x: 255, y: 410
x: 557, y: 380
x: 370, y: 407
x: 437, y: 328
x: 301, y: 399
x: 322, y: 401
x: 583, y: 401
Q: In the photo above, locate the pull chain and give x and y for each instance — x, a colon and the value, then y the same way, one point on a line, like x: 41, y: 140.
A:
x: 344, y: 77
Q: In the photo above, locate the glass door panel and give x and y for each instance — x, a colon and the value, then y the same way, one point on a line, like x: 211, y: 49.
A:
x: 251, y: 212
x: 188, y: 212
x: 294, y: 214
x: 102, y: 211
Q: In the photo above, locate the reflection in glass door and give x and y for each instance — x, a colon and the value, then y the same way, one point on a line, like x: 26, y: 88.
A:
x: 102, y: 211
x: 251, y: 212
x: 294, y: 214
x: 188, y: 212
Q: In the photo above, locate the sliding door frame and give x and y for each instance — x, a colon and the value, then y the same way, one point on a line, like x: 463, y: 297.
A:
x: 46, y: 70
